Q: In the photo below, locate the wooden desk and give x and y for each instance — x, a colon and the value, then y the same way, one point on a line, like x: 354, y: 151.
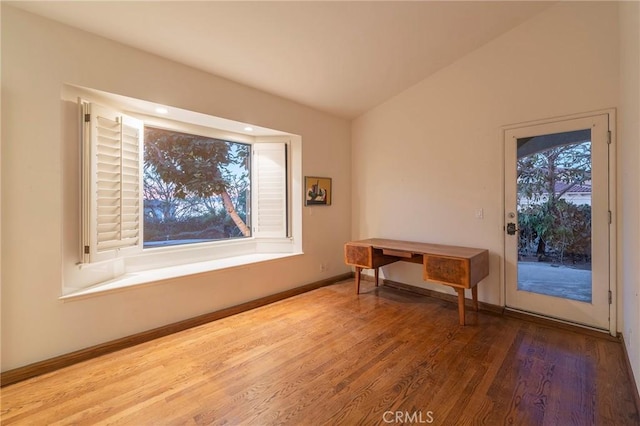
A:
x: 458, y: 267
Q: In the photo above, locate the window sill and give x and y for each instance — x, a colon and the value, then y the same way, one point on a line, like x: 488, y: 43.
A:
x: 153, y: 276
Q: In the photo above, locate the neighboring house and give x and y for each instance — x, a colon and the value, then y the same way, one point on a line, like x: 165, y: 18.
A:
x: 575, y: 193
x: 578, y: 194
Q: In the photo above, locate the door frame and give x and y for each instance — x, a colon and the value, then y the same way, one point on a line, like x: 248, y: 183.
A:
x: 613, y: 282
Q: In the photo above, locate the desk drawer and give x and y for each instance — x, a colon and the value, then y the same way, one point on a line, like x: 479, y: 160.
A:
x: 361, y: 256
x: 397, y: 253
x: 446, y: 270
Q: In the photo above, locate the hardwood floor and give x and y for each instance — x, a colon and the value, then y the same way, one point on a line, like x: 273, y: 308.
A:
x: 332, y: 357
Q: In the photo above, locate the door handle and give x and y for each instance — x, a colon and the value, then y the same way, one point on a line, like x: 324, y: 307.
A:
x: 511, y: 228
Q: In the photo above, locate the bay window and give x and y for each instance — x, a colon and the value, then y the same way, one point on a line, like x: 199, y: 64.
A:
x: 159, y: 193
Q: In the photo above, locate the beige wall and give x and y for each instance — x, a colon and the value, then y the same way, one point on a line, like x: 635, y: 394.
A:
x: 38, y: 57
x: 629, y: 180
x: 425, y: 160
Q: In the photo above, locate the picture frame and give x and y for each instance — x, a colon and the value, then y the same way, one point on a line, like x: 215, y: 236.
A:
x: 317, y: 191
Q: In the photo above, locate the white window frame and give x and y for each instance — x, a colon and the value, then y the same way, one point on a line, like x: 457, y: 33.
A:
x: 125, y: 268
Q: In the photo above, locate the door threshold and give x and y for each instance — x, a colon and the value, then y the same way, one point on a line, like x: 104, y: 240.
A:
x: 558, y: 323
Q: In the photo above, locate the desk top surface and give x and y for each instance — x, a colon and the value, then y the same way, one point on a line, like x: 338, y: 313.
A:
x: 420, y: 248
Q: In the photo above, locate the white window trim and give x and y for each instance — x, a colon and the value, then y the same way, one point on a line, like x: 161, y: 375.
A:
x: 159, y: 264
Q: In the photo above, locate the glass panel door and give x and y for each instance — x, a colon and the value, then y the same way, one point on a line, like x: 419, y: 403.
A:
x: 557, y: 220
x: 554, y: 214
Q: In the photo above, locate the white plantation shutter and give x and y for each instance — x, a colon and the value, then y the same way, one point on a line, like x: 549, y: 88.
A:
x: 112, y: 184
x: 269, y: 186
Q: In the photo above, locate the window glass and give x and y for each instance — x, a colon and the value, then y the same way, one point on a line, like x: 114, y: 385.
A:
x: 196, y: 188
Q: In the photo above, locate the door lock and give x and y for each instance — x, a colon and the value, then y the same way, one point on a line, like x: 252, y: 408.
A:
x: 511, y: 228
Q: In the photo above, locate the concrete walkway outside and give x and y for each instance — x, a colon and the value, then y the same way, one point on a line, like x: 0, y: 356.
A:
x: 558, y: 281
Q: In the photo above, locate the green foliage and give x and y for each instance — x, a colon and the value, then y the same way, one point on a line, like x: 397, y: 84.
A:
x: 562, y: 229
x: 210, y: 226
x: 534, y: 223
x: 571, y: 234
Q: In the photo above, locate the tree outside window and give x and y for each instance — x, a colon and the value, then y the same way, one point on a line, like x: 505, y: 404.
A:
x: 196, y: 188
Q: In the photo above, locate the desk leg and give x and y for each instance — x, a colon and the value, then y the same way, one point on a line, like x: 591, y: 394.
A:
x: 460, y: 304
x: 377, y: 273
x: 358, y: 271
x: 474, y: 294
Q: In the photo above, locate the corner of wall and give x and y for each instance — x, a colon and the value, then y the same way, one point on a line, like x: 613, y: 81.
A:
x: 629, y: 181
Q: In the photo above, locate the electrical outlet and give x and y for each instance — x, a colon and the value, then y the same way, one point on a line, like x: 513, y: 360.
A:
x: 480, y: 213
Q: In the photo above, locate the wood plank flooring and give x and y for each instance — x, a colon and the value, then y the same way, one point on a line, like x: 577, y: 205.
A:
x: 332, y: 357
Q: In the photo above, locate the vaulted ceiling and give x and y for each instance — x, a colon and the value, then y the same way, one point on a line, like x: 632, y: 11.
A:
x: 343, y: 58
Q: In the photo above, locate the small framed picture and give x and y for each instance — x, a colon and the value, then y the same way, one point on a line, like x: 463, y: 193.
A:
x: 317, y: 191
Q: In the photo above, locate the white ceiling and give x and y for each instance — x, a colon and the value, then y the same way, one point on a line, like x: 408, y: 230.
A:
x: 340, y: 57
